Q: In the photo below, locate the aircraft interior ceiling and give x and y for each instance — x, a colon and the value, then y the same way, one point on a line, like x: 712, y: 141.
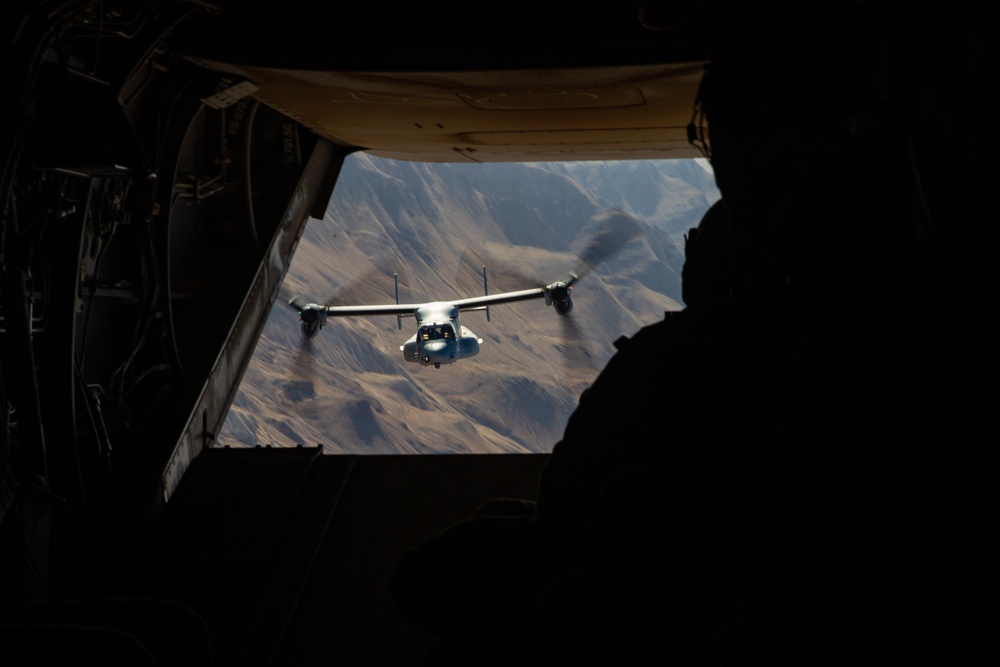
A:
x: 161, y: 159
x: 187, y: 144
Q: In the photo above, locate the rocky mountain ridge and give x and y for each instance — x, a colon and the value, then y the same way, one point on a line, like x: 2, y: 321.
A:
x: 349, y: 388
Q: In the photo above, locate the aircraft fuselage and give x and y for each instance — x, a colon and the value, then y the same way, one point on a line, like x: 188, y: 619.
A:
x: 440, y: 337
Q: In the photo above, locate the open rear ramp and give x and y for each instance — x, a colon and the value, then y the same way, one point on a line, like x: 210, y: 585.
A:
x: 287, y: 553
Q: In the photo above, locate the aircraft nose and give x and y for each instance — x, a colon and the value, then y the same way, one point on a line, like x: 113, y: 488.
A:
x: 436, y: 351
x: 434, y: 346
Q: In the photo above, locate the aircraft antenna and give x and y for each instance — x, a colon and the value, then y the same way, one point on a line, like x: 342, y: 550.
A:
x: 399, y: 318
x: 486, y: 291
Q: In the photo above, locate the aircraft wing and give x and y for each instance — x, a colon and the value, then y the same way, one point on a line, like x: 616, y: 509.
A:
x: 471, y: 303
x: 386, y: 309
x: 494, y: 299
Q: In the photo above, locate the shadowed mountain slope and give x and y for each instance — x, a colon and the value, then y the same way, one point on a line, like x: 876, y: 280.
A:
x: 349, y: 388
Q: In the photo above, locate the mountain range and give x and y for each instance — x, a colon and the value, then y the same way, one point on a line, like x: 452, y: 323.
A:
x: 434, y: 226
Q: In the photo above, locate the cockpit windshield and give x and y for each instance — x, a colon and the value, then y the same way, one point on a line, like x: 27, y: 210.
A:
x: 437, y: 332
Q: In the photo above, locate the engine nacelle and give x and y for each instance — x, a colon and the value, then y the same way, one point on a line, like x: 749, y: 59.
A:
x: 410, y: 351
x: 468, y: 346
x: 312, y: 316
x: 558, y: 296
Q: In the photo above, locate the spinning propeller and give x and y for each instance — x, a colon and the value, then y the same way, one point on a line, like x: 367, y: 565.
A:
x: 615, y: 229
x: 312, y: 318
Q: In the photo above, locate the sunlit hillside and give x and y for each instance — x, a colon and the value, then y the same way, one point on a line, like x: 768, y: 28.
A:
x: 349, y: 388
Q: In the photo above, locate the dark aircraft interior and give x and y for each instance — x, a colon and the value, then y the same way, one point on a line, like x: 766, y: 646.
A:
x: 162, y: 157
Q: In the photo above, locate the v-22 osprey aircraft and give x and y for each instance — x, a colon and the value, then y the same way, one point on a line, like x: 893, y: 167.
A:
x: 440, y: 338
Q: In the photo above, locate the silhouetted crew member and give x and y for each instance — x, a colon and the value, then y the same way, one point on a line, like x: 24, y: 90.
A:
x: 652, y: 488
x: 842, y: 165
x: 663, y: 472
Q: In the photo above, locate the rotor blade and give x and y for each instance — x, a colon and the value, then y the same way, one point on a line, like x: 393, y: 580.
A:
x: 577, y: 353
x: 616, y: 228
x: 290, y: 299
x: 301, y: 374
x: 500, y: 275
x: 301, y: 370
x: 302, y: 365
x: 578, y: 360
x: 374, y: 287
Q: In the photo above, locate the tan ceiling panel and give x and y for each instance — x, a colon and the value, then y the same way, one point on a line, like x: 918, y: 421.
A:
x: 520, y: 115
